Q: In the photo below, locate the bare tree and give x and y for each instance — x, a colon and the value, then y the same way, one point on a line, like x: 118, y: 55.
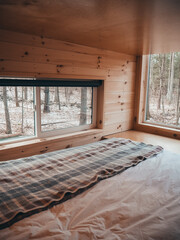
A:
x: 56, y: 97
x: 68, y: 93
x: 171, y: 78
x: 161, y: 78
x: 25, y: 93
x: 6, y: 110
x: 16, y: 97
x: 46, y: 100
x: 178, y: 104
x: 83, y: 114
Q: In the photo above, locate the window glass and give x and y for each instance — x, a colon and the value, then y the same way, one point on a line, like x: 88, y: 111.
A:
x: 16, y: 112
x: 65, y: 107
x: 163, y: 91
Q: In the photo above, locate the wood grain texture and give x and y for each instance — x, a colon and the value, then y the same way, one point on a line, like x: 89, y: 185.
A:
x: 40, y: 146
x: 134, y: 27
x: 167, y: 143
x: 140, y: 104
x: 25, y: 56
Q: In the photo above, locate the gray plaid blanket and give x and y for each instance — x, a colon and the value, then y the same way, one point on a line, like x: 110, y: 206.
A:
x: 32, y: 184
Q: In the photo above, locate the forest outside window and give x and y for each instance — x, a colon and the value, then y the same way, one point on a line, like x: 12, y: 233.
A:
x: 45, y: 111
x: 163, y: 90
x: 74, y: 105
x: 16, y: 112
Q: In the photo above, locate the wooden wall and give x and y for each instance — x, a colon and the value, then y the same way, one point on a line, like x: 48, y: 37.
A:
x: 32, y: 56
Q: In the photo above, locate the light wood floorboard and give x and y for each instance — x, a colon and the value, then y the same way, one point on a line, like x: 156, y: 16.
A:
x: 169, y: 144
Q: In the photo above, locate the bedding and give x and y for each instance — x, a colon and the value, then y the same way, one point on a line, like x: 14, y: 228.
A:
x: 33, y: 184
x: 141, y: 203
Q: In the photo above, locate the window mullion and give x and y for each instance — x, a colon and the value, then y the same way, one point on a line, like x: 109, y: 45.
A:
x: 94, y: 107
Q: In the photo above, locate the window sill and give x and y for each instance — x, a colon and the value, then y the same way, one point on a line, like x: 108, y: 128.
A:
x: 41, y: 145
x: 159, y: 130
x: 60, y: 137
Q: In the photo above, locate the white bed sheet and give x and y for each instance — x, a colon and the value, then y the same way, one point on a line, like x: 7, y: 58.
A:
x: 141, y: 203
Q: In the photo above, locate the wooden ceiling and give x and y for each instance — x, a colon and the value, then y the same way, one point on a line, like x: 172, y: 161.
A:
x: 128, y: 26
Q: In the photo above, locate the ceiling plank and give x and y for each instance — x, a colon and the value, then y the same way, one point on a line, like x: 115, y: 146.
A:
x: 133, y: 27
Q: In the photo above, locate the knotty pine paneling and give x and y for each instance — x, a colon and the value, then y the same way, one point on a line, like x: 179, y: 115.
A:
x: 32, y: 56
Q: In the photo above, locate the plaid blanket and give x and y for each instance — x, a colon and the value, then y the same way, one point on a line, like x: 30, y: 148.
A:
x: 32, y: 184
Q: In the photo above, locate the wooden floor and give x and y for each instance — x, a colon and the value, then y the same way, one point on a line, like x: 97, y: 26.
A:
x: 169, y: 144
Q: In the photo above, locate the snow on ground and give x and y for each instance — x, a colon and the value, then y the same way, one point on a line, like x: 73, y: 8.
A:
x: 67, y: 116
x: 168, y: 118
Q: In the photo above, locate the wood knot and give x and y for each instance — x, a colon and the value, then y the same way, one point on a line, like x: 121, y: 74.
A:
x: 119, y: 126
x: 68, y: 146
x: 43, y: 151
x: 60, y: 66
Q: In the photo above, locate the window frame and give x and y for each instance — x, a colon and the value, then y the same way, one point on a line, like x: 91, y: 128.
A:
x: 58, y: 132
x: 140, y: 103
x: 146, y: 98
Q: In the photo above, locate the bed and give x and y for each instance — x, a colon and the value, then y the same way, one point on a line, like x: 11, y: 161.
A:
x: 139, y: 200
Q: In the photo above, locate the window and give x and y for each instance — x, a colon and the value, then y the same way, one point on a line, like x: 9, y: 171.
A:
x: 63, y: 107
x: 16, y: 112
x: 163, y: 90
x: 45, y: 110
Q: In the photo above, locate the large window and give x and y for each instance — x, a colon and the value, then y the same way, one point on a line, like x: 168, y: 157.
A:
x: 163, y: 90
x: 45, y: 111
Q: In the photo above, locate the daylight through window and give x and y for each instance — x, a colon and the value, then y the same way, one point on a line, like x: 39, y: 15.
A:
x: 163, y: 91
x: 16, y: 112
x: 45, y: 111
x: 65, y: 107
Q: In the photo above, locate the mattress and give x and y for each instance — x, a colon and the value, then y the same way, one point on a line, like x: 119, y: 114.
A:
x: 142, y: 202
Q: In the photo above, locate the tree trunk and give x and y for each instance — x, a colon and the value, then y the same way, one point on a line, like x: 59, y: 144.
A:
x: 83, y: 115
x: 25, y: 93
x: 160, y: 95
x: 178, y: 105
x: 67, y: 95
x: 161, y: 76
x: 16, y: 97
x: 55, y: 94
x: 6, y: 110
x: 56, y: 97
x: 171, y: 79
x: 46, y: 100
